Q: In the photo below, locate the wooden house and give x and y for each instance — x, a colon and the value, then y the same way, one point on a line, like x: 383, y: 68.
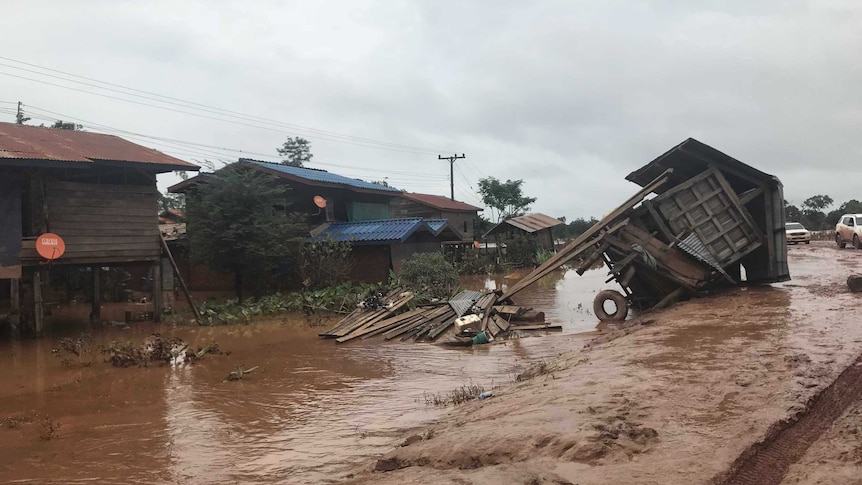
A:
x: 97, y: 192
x: 538, y: 228
x: 459, y: 214
x: 337, y: 205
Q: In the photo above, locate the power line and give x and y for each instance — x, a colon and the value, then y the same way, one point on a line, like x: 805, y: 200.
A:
x: 125, y: 90
x: 213, y: 152
x: 191, y: 104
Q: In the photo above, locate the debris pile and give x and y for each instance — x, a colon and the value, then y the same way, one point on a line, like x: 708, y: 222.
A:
x: 472, y: 317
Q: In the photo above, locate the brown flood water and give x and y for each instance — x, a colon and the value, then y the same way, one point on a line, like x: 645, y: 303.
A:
x: 311, y: 412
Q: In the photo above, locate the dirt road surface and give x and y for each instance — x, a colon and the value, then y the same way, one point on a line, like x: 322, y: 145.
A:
x: 708, y: 391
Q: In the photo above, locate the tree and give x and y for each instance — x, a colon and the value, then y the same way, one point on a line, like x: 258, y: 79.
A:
x: 504, y: 197
x: 818, y: 202
x: 852, y: 206
x: 62, y: 125
x: 238, y: 223
x: 171, y: 201
x: 297, y: 150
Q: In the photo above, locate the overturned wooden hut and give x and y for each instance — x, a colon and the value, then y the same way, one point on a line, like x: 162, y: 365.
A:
x: 703, y: 219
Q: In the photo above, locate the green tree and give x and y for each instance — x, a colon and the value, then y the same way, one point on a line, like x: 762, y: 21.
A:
x: 792, y: 213
x: 238, y: 223
x: 62, y: 125
x: 171, y: 201
x: 296, y: 150
x: 813, y: 215
x: 504, y: 197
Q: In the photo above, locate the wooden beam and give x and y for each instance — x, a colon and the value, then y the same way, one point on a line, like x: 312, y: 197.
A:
x: 185, y: 288
x: 157, y: 292
x: 38, y: 304
x: 15, y: 305
x: 659, y: 221
x: 96, y: 308
x: 576, y: 246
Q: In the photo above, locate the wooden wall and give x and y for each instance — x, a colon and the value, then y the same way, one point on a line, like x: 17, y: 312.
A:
x: 100, y: 223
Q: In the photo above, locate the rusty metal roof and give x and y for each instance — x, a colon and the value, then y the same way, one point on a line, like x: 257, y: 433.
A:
x: 440, y: 202
x: 530, y: 223
x: 30, y: 143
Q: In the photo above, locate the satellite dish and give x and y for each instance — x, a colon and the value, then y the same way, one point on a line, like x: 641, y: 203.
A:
x: 319, y: 201
x: 50, y: 246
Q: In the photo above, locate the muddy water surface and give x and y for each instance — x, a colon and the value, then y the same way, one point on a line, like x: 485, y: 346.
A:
x: 311, y: 412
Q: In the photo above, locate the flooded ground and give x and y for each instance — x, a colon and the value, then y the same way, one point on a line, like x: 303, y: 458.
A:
x: 311, y: 413
x: 674, y: 401
x: 564, y: 297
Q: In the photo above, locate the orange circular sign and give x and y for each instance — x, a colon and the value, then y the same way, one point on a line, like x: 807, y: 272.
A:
x: 50, y: 245
x: 319, y: 201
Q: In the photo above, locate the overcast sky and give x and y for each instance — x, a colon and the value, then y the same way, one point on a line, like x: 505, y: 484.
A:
x: 568, y: 96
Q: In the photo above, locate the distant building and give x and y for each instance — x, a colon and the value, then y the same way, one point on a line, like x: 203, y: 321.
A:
x: 459, y: 214
x: 537, y: 227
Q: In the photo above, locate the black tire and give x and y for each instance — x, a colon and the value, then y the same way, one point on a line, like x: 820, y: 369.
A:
x: 841, y: 244
x: 807, y: 242
x: 619, y: 300
x: 856, y: 244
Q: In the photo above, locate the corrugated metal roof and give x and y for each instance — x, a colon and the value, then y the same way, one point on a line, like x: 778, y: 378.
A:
x: 437, y: 225
x: 21, y: 142
x: 464, y: 300
x: 321, y: 176
x: 388, y: 230
x: 440, y: 202
x: 690, y: 158
x: 696, y: 248
x: 529, y: 223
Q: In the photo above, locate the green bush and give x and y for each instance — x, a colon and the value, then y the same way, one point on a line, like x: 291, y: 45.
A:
x: 429, y: 273
x: 325, y: 263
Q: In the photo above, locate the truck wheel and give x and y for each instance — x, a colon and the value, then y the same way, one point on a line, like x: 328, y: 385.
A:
x: 856, y: 244
x: 841, y: 244
x: 619, y: 300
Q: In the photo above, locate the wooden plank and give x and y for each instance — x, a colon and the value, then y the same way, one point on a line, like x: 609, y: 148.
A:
x: 58, y: 185
x: 659, y: 221
x: 510, y: 309
x: 547, y: 326
x: 575, y: 247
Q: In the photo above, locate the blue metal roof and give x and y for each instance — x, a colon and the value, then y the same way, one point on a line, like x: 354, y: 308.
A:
x: 437, y: 225
x: 389, y: 230
x: 315, y: 175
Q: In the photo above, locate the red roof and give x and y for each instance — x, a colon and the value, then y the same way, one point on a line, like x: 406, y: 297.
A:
x: 440, y: 202
x: 21, y: 142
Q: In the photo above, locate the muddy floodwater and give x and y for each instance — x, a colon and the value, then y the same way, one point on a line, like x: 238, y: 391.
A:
x: 312, y: 411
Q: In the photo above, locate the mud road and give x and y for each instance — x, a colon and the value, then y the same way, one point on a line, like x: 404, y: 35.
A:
x: 742, y: 386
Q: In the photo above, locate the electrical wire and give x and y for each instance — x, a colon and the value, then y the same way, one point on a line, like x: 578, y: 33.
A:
x: 159, y: 98
x: 201, y: 149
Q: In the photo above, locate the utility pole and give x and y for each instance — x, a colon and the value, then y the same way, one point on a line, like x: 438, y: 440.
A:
x: 19, y: 117
x: 451, y: 172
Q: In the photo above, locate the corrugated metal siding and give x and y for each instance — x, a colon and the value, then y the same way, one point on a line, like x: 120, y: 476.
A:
x: 322, y: 176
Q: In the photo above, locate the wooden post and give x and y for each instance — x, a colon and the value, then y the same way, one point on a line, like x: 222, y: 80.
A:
x: 157, y: 291
x: 96, y: 310
x: 38, y: 304
x: 15, y: 305
x: 180, y: 279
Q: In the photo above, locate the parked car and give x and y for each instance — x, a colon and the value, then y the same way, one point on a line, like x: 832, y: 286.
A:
x: 849, y: 230
x: 796, y: 233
